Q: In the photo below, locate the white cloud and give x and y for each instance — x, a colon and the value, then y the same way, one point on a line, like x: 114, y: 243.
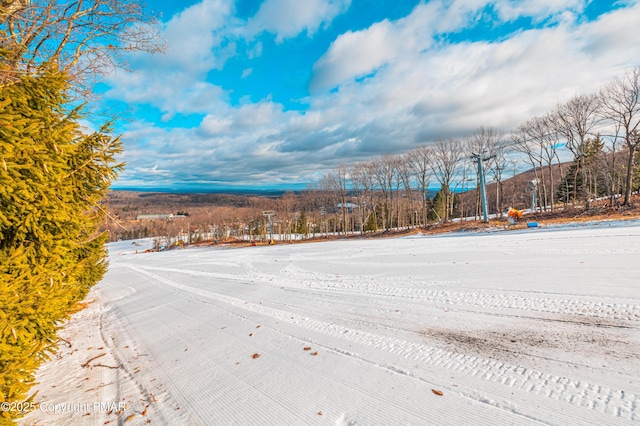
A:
x: 358, y: 54
x: 203, y: 37
x: 174, y: 82
x: 451, y: 89
x: 183, y: 94
x: 510, y: 10
x: 416, y: 90
x: 288, y: 18
x: 195, y: 37
x: 213, y: 125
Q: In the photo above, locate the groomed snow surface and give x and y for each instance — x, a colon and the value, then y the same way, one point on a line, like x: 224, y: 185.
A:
x: 540, y: 326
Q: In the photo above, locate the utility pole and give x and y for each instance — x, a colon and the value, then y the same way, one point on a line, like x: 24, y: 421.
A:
x: 483, y: 193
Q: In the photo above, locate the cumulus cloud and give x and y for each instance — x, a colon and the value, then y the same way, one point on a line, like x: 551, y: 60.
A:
x: 175, y: 82
x: 362, y: 53
x: 184, y: 94
x: 510, y: 10
x: 288, y: 18
x: 203, y: 37
x: 397, y: 84
x: 195, y: 35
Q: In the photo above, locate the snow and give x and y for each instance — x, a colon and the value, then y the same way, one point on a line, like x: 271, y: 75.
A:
x: 537, y: 326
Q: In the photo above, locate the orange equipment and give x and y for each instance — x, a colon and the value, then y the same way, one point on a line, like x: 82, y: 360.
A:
x: 514, y: 213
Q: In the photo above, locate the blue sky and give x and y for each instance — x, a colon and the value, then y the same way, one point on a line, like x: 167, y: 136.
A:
x: 276, y: 93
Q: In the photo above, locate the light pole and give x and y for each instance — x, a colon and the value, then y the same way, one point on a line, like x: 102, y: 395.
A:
x: 268, y: 214
x: 534, y: 195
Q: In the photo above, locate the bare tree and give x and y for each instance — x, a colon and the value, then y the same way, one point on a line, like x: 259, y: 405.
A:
x: 85, y: 39
x: 614, y: 169
x: 575, y: 120
x: 286, y: 210
x: 336, y: 182
x: 484, y: 140
x: 447, y: 156
x: 544, y: 140
x: 420, y: 162
x: 468, y: 168
x: 363, y: 183
x: 384, y: 170
x: 620, y: 101
x: 488, y: 143
x: 497, y: 166
x: 404, y: 178
x: 523, y: 143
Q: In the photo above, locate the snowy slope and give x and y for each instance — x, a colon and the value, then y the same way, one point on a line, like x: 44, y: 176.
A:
x: 540, y: 326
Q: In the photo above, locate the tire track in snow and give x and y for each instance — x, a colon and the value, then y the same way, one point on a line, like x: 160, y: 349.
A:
x: 130, y: 367
x: 599, y: 398
x: 343, y: 284
x: 340, y: 389
x: 299, y: 278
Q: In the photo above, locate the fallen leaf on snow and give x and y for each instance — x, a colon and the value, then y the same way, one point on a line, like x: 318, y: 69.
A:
x: 315, y: 353
x: 130, y: 418
x: 307, y: 348
x: 86, y: 364
x: 437, y: 392
x: 256, y: 355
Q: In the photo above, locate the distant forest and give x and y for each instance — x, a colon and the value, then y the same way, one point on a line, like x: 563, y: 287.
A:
x: 310, y: 213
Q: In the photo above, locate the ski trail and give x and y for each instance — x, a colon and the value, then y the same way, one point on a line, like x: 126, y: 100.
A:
x: 617, y: 403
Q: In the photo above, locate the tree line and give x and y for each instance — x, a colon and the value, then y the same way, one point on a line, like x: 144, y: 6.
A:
x: 581, y: 150
x: 600, y: 131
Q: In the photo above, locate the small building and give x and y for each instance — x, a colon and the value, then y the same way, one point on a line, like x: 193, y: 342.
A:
x: 349, y: 206
x: 169, y: 216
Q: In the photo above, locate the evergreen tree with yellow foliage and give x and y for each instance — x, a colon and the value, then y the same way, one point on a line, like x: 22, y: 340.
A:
x: 53, y: 172
x: 52, y: 178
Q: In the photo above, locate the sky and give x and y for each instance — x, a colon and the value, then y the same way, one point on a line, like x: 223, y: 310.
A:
x: 275, y: 94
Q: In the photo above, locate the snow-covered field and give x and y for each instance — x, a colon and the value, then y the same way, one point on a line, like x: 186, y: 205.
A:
x: 540, y: 326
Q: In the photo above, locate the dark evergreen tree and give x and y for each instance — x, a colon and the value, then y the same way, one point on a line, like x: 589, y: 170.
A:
x: 438, y: 207
x: 572, y: 186
x: 302, y: 227
x: 571, y: 181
